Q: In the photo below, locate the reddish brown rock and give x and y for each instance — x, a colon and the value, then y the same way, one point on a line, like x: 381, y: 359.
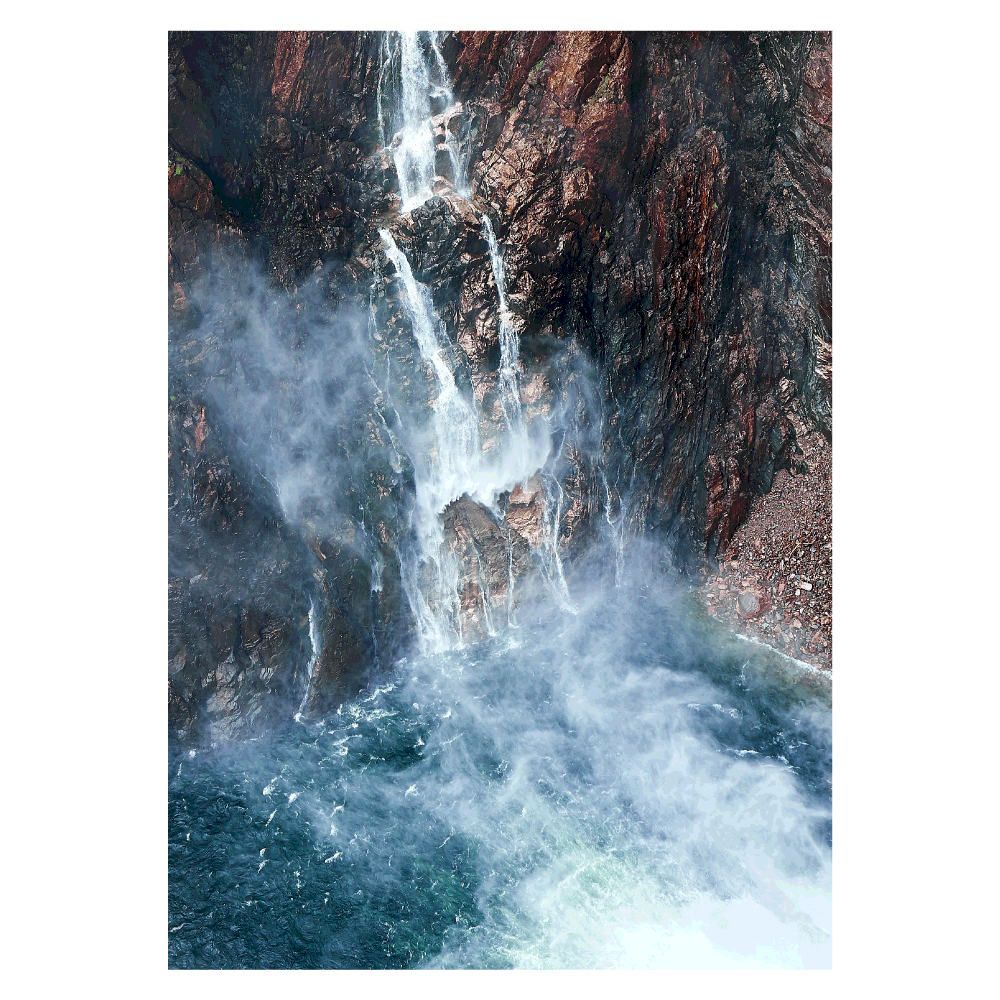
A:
x: 489, y: 554
x: 663, y: 202
x: 525, y: 511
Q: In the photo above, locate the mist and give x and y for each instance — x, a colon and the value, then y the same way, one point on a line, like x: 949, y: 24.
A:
x: 610, y: 788
x: 471, y: 716
x: 289, y: 374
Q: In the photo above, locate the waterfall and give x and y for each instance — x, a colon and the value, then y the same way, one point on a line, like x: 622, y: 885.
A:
x: 612, y: 781
x: 454, y: 465
x: 316, y: 640
x: 616, y: 528
x: 551, y: 562
x: 445, y: 470
x: 509, y: 391
x: 413, y: 154
x: 423, y: 79
x: 458, y: 164
x: 455, y: 452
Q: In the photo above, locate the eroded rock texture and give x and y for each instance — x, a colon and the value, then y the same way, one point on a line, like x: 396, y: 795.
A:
x: 238, y: 601
x: 666, y: 199
x: 663, y: 206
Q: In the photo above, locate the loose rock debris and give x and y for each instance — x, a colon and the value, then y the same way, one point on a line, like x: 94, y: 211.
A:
x: 775, y: 580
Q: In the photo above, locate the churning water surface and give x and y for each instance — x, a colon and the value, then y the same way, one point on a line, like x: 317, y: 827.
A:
x: 618, y: 787
x: 609, y: 784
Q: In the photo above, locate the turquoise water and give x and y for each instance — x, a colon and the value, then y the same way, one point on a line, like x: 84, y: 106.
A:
x: 621, y: 787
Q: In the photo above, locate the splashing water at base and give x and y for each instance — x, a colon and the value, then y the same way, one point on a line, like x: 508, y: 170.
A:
x: 615, y: 789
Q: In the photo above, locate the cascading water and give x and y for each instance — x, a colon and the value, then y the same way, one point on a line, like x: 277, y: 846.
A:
x: 510, y: 394
x: 551, y: 561
x: 450, y: 105
x: 443, y: 472
x: 414, y: 153
x: 453, y: 466
x: 423, y: 81
x: 450, y: 467
x: 316, y: 641
x: 611, y: 784
x: 616, y: 529
x: 510, y: 401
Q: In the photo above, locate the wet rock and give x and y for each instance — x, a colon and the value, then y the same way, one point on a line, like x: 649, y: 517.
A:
x: 663, y: 202
x: 237, y: 598
x: 525, y: 511
x: 491, y: 556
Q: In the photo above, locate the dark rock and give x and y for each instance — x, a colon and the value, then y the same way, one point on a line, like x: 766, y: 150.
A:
x: 237, y: 602
x: 663, y: 201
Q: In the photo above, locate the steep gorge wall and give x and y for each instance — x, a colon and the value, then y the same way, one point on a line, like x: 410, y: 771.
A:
x: 663, y: 200
x: 668, y: 202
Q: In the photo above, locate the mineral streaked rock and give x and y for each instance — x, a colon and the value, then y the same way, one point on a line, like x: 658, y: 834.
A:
x: 663, y: 199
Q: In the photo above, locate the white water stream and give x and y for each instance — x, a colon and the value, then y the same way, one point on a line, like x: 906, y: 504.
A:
x: 316, y: 640
x: 452, y: 462
x: 451, y: 465
x: 423, y: 78
x: 510, y: 393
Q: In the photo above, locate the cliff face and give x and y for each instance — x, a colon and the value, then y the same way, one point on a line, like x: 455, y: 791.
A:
x: 667, y: 199
x: 663, y: 206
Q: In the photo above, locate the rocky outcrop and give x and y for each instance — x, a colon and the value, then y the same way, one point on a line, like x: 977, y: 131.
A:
x: 243, y: 576
x: 663, y: 207
x: 491, y: 556
x: 246, y: 565
x: 284, y: 125
x: 665, y: 199
x: 238, y: 600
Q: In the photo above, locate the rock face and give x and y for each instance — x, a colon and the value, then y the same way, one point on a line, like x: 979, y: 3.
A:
x: 666, y: 199
x: 662, y: 202
x: 238, y: 602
